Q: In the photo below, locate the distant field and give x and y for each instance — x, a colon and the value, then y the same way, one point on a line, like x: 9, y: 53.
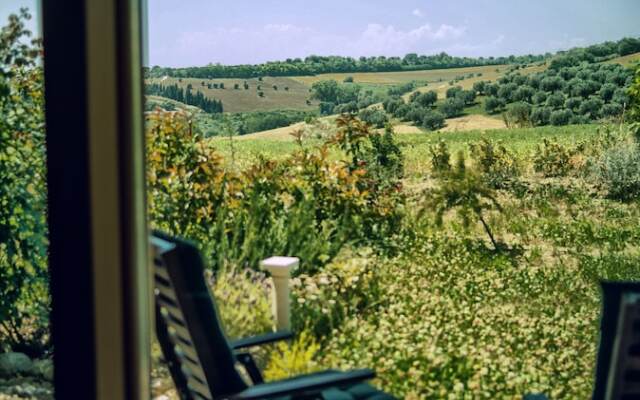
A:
x: 627, y: 60
x: 394, y: 78
x: 488, y: 74
x: 240, y: 100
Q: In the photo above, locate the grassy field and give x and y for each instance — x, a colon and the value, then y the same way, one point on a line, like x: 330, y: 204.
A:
x: 394, y: 78
x: 517, y: 320
x: 415, y: 146
x: 627, y: 61
x: 241, y: 100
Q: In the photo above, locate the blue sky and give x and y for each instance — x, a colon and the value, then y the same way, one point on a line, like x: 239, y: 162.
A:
x: 198, y: 32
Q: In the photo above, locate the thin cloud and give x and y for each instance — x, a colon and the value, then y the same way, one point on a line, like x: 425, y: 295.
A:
x: 418, y: 13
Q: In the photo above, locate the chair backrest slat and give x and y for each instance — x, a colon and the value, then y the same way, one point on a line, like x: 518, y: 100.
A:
x: 200, y: 360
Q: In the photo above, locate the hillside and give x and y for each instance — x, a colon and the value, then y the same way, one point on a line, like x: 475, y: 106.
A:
x: 290, y: 93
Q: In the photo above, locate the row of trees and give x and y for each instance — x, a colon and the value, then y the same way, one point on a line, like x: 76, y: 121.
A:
x: 577, y: 94
x: 314, y: 65
x: 596, y: 53
x: 177, y: 93
x: 342, y: 98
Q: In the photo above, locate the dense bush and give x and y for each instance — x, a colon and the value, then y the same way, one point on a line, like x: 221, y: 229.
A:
x: 540, y: 116
x: 493, y: 104
x: 341, y: 98
x: 305, y: 205
x: 374, y: 117
x: 618, y: 170
x: 24, y: 298
x: 560, y: 117
x: 250, y: 122
x: 425, y: 99
x: 552, y: 159
x: 452, y: 107
x: 578, y: 94
x: 498, y: 166
x: 433, y: 121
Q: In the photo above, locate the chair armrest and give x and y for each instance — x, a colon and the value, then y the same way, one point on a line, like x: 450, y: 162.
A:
x: 261, y: 339
x: 307, y: 384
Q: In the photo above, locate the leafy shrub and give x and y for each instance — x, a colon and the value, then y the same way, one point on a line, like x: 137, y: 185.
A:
x: 519, y: 114
x: 440, y: 158
x: 243, y: 301
x: 611, y: 110
x: 384, y: 160
x: 24, y: 297
x: 305, y: 205
x: 618, y: 170
x: 573, y: 103
x: 392, y: 104
x: 552, y: 159
x: 453, y: 92
x: 374, y: 117
x: 348, y: 79
x: 468, y: 97
x: 498, y: 166
x: 560, y: 117
x: 591, y: 107
x: 452, y: 107
x: 297, y: 358
x: 493, y: 104
x: 555, y: 100
x: 433, y: 121
x: 539, y: 97
x: 426, y: 99
x: 344, y: 287
x: 465, y: 192
x: 540, y: 116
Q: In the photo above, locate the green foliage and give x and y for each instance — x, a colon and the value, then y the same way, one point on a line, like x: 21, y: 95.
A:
x: 24, y: 298
x: 348, y: 286
x: 634, y: 95
x: 618, y: 171
x: 243, y: 300
x: 540, y: 116
x: 249, y: 122
x: 464, y: 191
x: 186, y: 96
x: 552, y: 159
x: 493, y: 104
x: 498, y: 166
x: 348, y: 79
x: 440, y: 158
x: 518, y: 115
x: 374, y: 117
x: 297, y: 358
x: 433, y: 121
x: 305, y: 205
x: 314, y: 65
x: 560, y: 117
x: 452, y: 107
x: 426, y: 99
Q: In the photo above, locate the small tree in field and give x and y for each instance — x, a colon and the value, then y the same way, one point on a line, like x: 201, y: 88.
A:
x: 465, y: 192
x: 433, y: 120
x: 492, y: 105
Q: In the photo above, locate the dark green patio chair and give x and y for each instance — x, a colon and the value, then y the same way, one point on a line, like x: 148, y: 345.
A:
x: 201, y: 359
x: 618, y: 366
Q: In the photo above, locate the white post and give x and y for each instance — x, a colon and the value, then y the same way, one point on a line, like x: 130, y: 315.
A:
x: 280, y: 269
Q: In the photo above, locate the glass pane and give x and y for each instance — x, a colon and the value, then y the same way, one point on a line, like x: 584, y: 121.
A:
x: 26, y: 369
x: 455, y: 181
